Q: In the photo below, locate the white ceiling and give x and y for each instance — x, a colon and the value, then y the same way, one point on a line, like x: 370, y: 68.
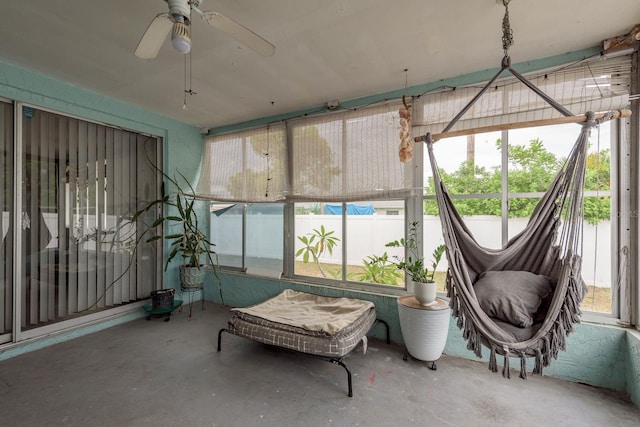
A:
x: 325, y: 49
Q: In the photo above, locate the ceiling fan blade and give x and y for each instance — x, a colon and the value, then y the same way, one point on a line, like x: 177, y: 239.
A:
x: 242, y: 34
x: 152, y: 40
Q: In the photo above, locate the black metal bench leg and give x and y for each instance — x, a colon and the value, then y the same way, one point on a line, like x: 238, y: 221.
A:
x: 220, y: 337
x: 386, y: 325
x: 341, y: 363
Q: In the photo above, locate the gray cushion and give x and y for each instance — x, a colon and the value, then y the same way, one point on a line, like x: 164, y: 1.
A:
x: 518, y: 334
x: 512, y: 296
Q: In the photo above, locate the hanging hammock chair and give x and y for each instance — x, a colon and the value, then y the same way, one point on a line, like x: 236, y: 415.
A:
x: 521, y: 300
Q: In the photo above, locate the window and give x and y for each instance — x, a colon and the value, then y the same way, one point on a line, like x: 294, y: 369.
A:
x: 319, y: 240
x: 474, y: 177
x: 264, y: 238
x: 347, y: 247
x: 249, y: 236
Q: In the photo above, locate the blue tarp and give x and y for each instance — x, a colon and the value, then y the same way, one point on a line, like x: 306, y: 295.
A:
x: 351, y: 209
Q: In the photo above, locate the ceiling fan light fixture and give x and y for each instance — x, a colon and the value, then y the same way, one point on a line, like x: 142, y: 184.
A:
x: 180, y: 38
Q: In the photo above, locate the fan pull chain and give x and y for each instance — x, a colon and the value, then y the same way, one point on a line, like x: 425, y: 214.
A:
x: 184, y: 105
x: 187, y: 71
x: 266, y: 155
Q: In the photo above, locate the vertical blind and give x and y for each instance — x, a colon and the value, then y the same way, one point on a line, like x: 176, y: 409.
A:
x: 82, y: 182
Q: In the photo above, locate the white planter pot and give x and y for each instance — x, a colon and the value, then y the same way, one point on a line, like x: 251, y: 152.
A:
x: 425, y: 293
x: 424, y: 328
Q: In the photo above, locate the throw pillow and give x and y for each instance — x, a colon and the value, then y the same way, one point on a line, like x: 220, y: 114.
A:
x: 512, y: 296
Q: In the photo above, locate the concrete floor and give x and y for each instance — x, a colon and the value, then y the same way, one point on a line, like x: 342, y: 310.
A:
x: 160, y: 373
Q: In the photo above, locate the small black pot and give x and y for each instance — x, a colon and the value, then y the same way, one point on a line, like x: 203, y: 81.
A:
x: 162, y: 299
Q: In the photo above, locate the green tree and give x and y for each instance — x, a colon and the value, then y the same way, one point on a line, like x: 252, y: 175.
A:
x: 532, y: 169
x: 314, y: 248
x: 598, y: 178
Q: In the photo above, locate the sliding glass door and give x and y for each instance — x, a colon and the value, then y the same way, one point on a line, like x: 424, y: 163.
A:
x: 81, y: 182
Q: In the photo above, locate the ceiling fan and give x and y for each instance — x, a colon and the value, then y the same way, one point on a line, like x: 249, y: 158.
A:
x: 178, y: 21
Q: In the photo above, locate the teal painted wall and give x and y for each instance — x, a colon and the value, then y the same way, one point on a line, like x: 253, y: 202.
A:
x: 598, y: 355
x: 182, y: 143
x: 595, y: 355
x: 633, y: 365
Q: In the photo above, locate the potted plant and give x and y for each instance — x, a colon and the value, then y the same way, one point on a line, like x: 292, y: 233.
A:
x: 188, y: 242
x: 182, y: 228
x: 424, y: 286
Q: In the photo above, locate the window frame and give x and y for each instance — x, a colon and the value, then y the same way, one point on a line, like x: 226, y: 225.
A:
x: 620, y: 146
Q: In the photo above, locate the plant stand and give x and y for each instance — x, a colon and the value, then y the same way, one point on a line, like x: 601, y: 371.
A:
x: 191, y: 290
x: 162, y: 312
x: 424, y: 328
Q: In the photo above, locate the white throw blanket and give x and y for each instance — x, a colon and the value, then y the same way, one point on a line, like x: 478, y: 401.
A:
x: 309, y: 311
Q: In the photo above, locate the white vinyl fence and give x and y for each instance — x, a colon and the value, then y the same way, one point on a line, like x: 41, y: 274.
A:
x: 368, y: 235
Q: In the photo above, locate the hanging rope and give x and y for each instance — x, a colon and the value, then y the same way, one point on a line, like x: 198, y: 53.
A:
x: 405, y: 150
x: 507, y: 32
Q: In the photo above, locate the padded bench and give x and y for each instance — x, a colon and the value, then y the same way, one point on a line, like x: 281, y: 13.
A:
x: 324, y: 327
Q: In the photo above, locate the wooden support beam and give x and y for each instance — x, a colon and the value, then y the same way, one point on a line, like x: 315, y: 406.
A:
x: 629, y: 40
x: 520, y: 125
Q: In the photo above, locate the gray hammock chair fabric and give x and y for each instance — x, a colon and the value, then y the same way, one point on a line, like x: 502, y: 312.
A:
x: 549, y: 246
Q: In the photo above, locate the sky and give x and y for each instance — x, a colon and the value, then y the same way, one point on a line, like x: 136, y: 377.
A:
x: 558, y: 139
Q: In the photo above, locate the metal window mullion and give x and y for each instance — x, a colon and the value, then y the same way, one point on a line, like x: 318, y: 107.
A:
x: 243, y: 263
x: 289, y: 213
x: 345, y: 172
x: 627, y: 245
x: 17, y: 228
x: 633, y: 133
x: 504, y: 156
x: 620, y: 241
x: 414, y: 204
x: 243, y: 237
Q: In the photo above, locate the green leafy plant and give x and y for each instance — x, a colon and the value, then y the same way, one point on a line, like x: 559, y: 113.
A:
x: 532, y: 169
x: 378, y: 269
x: 315, y: 245
x: 189, y: 242
x: 415, y: 265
